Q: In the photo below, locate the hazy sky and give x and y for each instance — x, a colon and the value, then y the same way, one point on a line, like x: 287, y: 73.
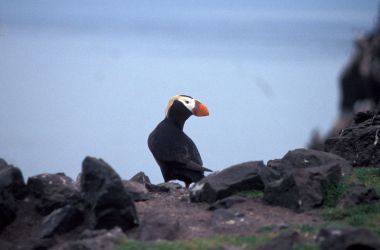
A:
x: 93, y: 78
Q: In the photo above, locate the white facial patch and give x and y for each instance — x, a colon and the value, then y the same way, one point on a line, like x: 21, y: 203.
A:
x: 188, y: 102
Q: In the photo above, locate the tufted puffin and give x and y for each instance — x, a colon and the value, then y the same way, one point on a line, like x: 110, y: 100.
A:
x: 173, y: 150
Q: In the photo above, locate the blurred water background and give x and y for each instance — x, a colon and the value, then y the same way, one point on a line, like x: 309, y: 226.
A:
x: 93, y: 77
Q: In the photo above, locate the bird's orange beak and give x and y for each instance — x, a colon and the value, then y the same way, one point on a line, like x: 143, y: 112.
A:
x: 200, y: 109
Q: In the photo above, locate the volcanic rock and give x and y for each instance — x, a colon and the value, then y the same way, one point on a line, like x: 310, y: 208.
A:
x: 141, y: 177
x: 347, y: 238
x: 136, y: 190
x: 11, y: 180
x: 53, y: 191
x: 306, y: 174
x: 360, y: 142
x: 104, y: 191
x: 157, y: 188
x: 360, y: 80
x: 307, y: 158
x: 245, y: 176
x: 60, y: 221
x: 8, y: 209
x: 356, y: 195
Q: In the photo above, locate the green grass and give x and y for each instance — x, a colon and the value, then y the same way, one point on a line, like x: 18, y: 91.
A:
x: 370, y: 177
x: 252, y: 194
x: 206, y: 244
x: 358, y: 216
x: 367, y: 215
x: 306, y: 228
x: 266, y: 229
x: 263, y: 235
x: 334, y: 192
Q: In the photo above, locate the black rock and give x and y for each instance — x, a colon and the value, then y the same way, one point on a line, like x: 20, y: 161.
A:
x: 104, y: 191
x: 60, y: 221
x: 172, y: 186
x: 136, y: 190
x: 356, y: 195
x: 158, y: 227
x: 306, y: 176
x: 360, y: 142
x: 11, y: 180
x: 8, y: 209
x: 141, y: 177
x: 157, y: 188
x: 307, y: 158
x: 227, y: 202
x: 285, y: 241
x: 12, y: 187
x: 53, y: 191
x: 7, y: 245
x: 94, y: 240
x: 241, y: 177
x: 347, y: 239
x: 165, y: 187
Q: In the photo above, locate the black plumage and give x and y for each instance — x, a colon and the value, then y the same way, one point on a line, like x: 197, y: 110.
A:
x: 173, y: 150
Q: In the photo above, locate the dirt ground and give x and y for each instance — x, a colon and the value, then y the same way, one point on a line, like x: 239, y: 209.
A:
x: 196, y: 221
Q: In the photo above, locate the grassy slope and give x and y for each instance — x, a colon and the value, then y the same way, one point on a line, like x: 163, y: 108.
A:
x: 362, y: 216
x: 358, y: 216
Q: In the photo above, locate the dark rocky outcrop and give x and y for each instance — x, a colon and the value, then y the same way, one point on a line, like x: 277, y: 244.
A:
x: 306, y: 174
x: 360, y: 81
x: 246, y: 176
x: 157, y: 188
x: 360, y: 142
x: 308, y: 158
x: 60, y: 221
x: 159, y: 227
x: 53, y: 191
x: 359, y: 92
x: 8, y: 209
x: 285, y: 241
x: 12, y: 188
x: 347, y: 239
x: 104, y: 191
x: 100, y: 201
x: 141, y: 177
x: 356, y: 195
x: 136, y: 190
x: 11, y: 180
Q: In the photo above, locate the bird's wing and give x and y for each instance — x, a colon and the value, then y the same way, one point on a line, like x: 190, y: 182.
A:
x: 180, y: 149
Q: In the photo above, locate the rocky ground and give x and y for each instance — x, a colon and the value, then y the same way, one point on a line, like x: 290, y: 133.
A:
x: 184, y: 220
x: 100, y: 211
x: 309, y: 199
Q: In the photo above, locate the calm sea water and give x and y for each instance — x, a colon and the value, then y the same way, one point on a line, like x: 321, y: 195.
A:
x: 93, y: 78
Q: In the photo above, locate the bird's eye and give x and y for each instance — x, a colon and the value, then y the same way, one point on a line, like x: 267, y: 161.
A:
x: 187, y: 102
